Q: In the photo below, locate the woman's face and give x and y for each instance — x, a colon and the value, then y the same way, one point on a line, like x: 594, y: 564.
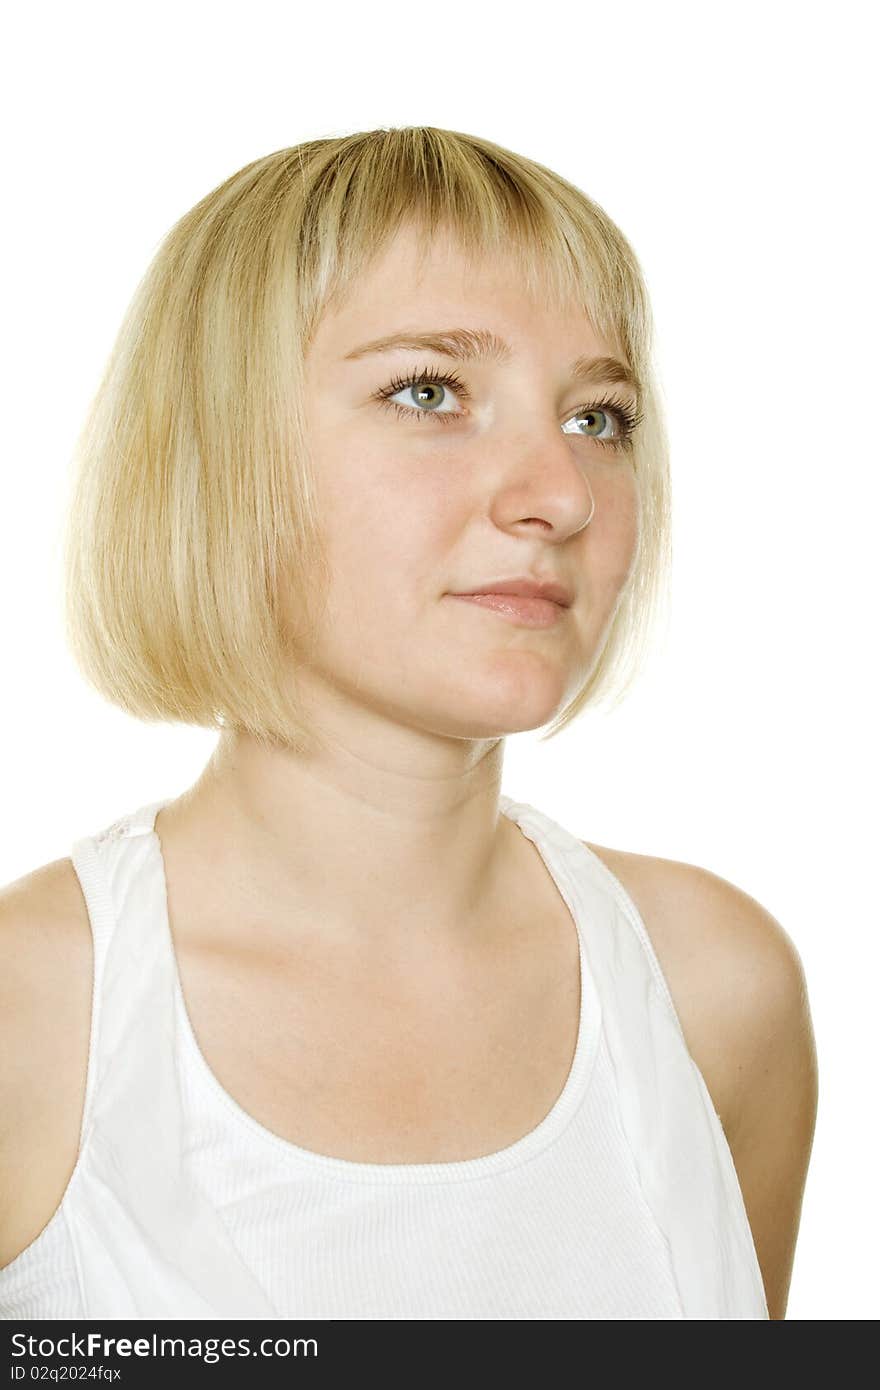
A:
x: 418, y: 507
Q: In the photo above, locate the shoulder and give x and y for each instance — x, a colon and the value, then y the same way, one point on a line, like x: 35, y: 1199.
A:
x: 734, y: 972
x: 740, y: 991
x: 44, y: 926
x: 45, y: 1007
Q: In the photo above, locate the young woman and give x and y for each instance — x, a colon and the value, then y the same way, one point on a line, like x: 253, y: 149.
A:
x: 376, y: 476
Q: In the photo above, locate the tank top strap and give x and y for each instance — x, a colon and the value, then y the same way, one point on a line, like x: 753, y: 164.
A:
x: 684, y: 1162
x: 600, y: 893
x: 112, y: 882
x: 100, y: 860
x: 135, y: 1136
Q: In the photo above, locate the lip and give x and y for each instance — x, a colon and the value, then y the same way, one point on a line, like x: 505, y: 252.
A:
x: 524, y: 586
x: 517, y: 608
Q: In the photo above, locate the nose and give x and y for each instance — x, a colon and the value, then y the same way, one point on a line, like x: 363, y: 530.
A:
x: 546, y: 484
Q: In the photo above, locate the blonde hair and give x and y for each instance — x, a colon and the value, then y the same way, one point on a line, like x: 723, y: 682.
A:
x: 191, y: 516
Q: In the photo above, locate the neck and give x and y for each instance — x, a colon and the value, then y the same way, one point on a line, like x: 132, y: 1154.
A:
x: 392, y: 838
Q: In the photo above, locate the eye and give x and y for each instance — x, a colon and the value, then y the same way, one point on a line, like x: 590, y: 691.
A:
x: 598, y: 421
x: 619, y: 416
x: 426, y: 392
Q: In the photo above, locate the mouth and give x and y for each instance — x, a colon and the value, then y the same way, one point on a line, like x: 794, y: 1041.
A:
x: 517, y: 608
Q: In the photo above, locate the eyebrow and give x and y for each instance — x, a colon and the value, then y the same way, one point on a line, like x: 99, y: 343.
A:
x: 481, y: 345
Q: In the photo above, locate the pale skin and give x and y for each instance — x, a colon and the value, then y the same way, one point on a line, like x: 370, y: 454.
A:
x: 442, y: 1023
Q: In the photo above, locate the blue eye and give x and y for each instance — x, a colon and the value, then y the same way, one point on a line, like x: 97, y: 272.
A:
x: 620, y: 414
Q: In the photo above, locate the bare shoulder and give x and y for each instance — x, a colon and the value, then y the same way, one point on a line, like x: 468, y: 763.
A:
x: 738, y: 984
x: 44, y: 929
x: 46, y: 966
x: 734, y: 972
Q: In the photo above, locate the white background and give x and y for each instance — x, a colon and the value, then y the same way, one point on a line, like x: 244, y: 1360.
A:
x: 736, y: 148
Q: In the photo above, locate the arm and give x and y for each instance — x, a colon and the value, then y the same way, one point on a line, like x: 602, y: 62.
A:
x: 772, y: 1116
x: 45, y: 1016
x: 739, y: 990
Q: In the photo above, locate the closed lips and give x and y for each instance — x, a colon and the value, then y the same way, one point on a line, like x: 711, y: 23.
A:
x: 550, y: 589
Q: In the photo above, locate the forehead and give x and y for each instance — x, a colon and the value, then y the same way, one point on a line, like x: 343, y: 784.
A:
x: 410, y: 288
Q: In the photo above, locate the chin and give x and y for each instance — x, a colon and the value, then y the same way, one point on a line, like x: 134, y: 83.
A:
x: 482, y: 713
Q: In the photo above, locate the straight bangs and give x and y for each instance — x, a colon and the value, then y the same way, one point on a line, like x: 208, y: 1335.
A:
x: 193, y: 563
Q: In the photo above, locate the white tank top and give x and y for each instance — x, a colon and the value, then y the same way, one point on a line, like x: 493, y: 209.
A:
x: 623, y: 1203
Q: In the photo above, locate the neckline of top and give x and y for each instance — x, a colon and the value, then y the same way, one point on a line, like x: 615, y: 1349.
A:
x: 544, y: 834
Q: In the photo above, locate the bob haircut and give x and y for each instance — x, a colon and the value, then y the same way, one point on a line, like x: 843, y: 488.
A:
x: 192, y: 562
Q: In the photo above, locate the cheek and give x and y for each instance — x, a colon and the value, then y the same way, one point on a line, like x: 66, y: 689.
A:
x: 613, y: 543
x: 390, y: 528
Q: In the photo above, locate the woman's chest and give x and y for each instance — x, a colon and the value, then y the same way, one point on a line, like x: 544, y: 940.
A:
x: 460, y: 1055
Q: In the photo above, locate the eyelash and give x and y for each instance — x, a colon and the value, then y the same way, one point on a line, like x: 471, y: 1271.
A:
x: 628, y: 418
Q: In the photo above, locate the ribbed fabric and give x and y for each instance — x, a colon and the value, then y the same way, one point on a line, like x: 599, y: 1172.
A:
x: 623, y: 1203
